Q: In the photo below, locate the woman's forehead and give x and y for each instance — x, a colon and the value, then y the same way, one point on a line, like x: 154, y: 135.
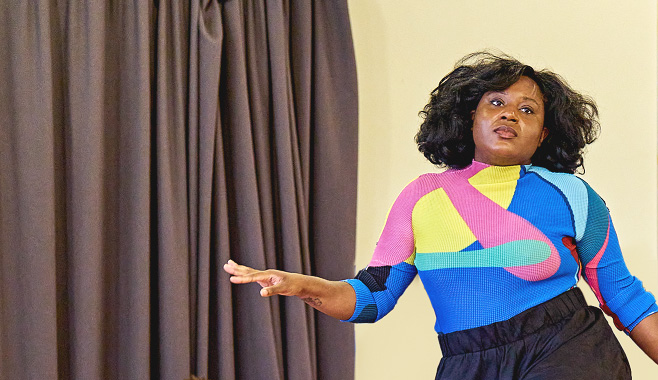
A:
x: 525, y: 88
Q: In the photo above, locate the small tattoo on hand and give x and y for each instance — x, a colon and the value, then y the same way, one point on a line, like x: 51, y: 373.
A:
x: 312, y: 301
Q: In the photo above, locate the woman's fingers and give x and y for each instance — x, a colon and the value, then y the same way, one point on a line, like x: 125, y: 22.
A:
x: 230, y: 267
x: 273, y: 281
x: 236, y: 269
x: 257, y: 276
x: 241, y: 274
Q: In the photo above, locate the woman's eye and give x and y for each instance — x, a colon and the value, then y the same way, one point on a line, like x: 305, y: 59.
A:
x: 527, y: 110
x: 496, y: 102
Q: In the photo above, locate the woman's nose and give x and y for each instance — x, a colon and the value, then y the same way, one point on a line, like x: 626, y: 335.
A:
x: 509, y: 115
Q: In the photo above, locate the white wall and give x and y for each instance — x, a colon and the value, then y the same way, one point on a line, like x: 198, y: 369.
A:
x: 606, y: 49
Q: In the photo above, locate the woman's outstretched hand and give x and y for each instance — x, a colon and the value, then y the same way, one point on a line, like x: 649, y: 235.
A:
x: 272, y: 281
x: 334, y: 298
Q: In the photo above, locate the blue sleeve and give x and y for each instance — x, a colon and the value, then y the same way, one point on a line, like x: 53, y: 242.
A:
x: 620, y: 294
x: 378, y: 289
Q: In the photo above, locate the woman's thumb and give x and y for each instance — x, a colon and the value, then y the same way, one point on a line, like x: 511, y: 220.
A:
x: 270, y: 290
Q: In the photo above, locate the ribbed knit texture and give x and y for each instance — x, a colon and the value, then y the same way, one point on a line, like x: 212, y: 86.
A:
x: 489, y: 242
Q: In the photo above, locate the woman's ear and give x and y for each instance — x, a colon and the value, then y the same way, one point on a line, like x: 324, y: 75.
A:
x: 544, y: 134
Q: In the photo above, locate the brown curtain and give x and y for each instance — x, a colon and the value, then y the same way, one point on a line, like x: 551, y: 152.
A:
x: 142, y: 145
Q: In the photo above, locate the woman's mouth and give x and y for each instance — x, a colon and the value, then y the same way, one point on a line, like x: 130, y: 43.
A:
x: 506, y: 132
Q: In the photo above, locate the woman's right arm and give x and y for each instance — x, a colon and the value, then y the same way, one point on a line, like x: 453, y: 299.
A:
x: 334, y: 298
x: 375, y: 290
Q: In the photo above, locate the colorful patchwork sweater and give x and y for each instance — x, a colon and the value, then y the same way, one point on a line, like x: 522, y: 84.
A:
x: 489, y: 242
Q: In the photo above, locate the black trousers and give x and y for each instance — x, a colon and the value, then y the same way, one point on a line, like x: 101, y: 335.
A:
x: 560, y: 339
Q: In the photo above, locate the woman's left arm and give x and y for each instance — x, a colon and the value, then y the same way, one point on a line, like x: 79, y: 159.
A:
x: 620, y: 294
x: 645, y: 335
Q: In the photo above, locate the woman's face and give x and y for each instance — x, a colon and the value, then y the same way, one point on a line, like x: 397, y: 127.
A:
x: 508, y: 125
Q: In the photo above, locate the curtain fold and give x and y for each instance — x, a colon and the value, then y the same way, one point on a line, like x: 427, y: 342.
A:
x: 333, y: 158
x: 27, y: 195
x: 146, y: 143
x: 170, y: 266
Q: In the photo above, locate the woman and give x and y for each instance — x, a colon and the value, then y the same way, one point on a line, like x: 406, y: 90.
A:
x: 500, y: 238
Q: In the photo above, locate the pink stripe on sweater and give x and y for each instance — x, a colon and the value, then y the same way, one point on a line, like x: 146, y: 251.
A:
x: 592, y: 266
x: 493, y: 225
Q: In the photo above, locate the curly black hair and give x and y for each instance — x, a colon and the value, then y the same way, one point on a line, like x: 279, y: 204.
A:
x: 446, y: 136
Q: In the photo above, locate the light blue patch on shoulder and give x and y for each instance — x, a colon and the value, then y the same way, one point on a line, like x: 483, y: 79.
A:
x: 574, y: 190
